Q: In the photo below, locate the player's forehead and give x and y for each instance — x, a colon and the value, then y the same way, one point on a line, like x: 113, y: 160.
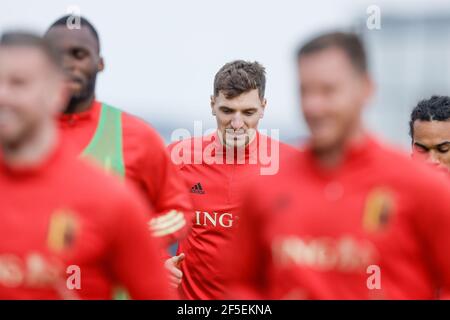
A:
x: 329, y: 65
x: 244, y: 101
x: 431, y: 133
x: 63, y: 37
x: 23, y: 61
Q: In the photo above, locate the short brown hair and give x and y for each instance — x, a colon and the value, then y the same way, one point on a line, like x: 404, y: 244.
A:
x: 27, y: 39
x: 240, y: 76
x: 350, y: 43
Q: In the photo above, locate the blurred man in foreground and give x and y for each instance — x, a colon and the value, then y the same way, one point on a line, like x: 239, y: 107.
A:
x: 350, y: 218
x: 67, y: 230
x: 430, y: 132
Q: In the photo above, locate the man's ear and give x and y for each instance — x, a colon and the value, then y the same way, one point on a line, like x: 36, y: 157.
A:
x: 101, y: 65
x: 263, y: 105
x: 369, y: 89
x: 212, y: 102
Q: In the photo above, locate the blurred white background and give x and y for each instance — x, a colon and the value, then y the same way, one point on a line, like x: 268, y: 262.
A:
x: 161, y: 56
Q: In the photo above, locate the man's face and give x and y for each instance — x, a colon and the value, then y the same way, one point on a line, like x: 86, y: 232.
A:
x: 333, y: 94
x: 31, y: 92
x: 431, y: 142
x: 237, y: 118
x: 81, y: 58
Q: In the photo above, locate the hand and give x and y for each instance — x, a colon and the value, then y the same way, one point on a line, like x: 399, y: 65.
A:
x: 173, y: 265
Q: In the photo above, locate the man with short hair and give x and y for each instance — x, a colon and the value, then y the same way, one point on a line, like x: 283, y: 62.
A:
x: 430, y: 131
x: 218, y: 168
x: 350, y: 218
x: 121, y: 143
x: 67, y: 230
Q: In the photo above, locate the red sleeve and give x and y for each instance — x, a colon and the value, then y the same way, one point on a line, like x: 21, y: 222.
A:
x: 246, y: 260
x: 161, y: 184
x: 135, y: 256
x: 433, y: 225
x: 172, y: 203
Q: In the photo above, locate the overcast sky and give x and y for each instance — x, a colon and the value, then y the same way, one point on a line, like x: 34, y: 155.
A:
x: 161, y: 56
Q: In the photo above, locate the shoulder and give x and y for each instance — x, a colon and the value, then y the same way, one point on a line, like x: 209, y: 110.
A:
x: 182, y: 144
x: 276, y: 145
x: 289, y: 153
x: 136, y: 127
x: 100, y: 191
x: 192, y: 142
x: 279, y: 155
x: 397, y: 162
x: 141, y: 138
x: 415, y: 176
x: 185, y: 151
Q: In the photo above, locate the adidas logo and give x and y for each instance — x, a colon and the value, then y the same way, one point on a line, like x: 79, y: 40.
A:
x: 197, y: 188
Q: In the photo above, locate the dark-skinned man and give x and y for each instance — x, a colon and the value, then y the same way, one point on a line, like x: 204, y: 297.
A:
x: 430, y: 132
x: 118, y: 141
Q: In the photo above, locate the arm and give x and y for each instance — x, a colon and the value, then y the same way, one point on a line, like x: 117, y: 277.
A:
x: 247, y: 258
x: 166, y: 190
x: 135, y: 257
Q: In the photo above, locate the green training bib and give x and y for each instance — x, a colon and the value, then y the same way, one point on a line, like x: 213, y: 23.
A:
x: 105, y: 148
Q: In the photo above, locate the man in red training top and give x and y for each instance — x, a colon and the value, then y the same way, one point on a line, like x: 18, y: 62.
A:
x: 430, y: 132
x: 67, y: 230
x: 350, y: 218
x: 118, y: 141
x: 217, y: 168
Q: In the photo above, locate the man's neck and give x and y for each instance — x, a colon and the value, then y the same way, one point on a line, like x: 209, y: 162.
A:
x: 31, y: 151
x: 80, y: 106
x: 332, y: 157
